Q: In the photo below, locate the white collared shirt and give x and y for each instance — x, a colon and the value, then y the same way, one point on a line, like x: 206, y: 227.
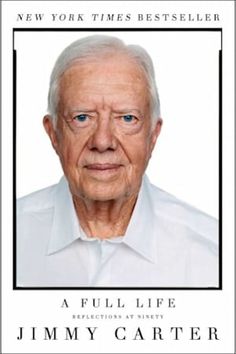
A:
x: 167, y: 244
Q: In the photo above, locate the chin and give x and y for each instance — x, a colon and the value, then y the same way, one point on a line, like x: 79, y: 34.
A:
x: 105, y: 192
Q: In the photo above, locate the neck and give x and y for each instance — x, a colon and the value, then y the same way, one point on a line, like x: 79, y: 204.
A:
x: 104, y: 219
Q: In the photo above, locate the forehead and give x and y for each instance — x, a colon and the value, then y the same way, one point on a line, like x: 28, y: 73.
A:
x: 110, y: 75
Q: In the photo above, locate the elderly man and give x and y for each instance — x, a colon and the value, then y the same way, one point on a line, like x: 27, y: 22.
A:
x: 104, y: 224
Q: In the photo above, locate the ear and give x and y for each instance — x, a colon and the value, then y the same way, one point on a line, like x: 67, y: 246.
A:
x: 155, y: 133
x: 50, y: 129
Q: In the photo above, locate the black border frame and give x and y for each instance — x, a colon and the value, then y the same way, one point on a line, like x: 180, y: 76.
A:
x: 220, y: 151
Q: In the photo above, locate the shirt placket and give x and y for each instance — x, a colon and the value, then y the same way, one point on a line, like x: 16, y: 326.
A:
x: 104, y: 271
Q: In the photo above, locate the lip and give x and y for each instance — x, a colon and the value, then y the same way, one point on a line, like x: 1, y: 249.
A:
x: 102, y: 166
x: 104, y: 171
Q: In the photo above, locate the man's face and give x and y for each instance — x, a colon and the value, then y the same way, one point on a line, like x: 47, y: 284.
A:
x: 103, y: 134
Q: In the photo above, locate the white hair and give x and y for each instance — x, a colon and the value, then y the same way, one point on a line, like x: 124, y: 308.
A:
x: 93, y: 47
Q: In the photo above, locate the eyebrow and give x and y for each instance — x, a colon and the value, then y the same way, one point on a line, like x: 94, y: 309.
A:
x: 82, y: 109
x: 90, y: 110
x: 126, y: 109
x: 75, y: 110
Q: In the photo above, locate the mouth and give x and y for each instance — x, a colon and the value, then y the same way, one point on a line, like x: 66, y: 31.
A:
x: 103, y: 171
x: 102, y: 167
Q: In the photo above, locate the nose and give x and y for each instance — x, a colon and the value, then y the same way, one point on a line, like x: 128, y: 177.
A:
x: 103, y: 138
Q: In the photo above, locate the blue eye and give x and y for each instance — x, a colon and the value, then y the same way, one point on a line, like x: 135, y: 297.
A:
x: 81, y: 117
x: 128, y: 118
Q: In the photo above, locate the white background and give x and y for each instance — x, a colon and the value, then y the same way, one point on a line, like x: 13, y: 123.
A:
x: 185, y: 161
x: 193, y: 308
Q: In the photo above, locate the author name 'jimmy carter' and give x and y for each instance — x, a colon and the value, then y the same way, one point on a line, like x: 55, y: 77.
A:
x: 118, y: 333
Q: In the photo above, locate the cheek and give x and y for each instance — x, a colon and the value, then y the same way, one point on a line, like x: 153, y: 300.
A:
x: 139, y: 154
x: 69, y: 153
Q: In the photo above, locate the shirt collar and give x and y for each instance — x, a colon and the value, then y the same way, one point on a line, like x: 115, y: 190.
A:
x: 140, y: 234
x: 66, y: 229
x: 65, y: 225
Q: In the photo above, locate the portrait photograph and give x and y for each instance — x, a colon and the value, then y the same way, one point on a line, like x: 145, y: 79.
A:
x: 117, y: 158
